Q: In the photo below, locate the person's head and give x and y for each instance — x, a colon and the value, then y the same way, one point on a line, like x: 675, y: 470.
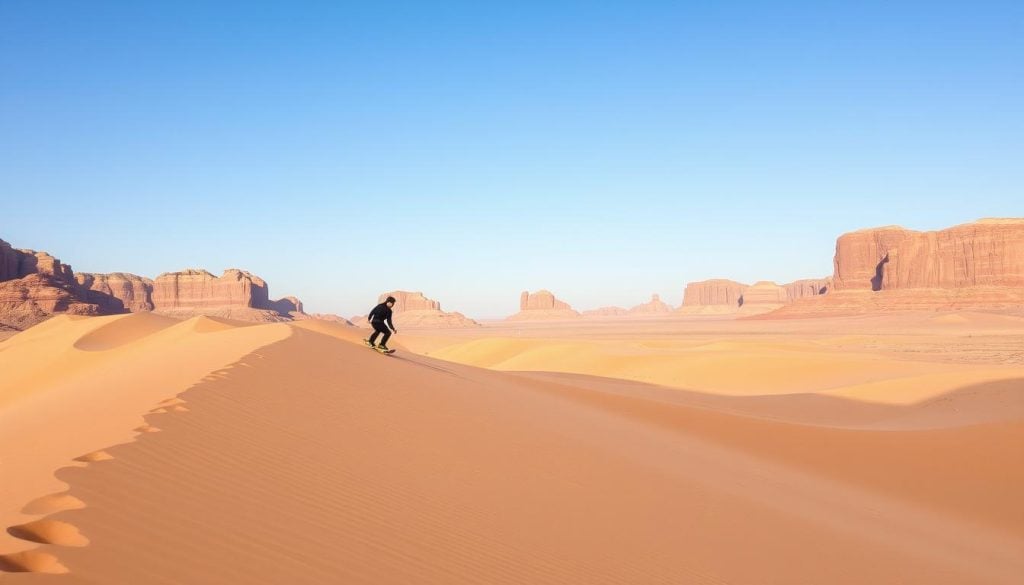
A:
x: 390, y: 301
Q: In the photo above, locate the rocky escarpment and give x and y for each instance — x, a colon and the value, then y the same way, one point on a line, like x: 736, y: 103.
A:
x: 236, y: 294
x: 118, y: 291
x: 35, y: 285
x: 984, y: 253
x: 413, y: 309
x: 977, y: 265
x: 722, y: 296
x: 542, y: 305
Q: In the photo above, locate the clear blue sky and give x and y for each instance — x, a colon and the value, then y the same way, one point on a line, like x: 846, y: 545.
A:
x: 604, y: 151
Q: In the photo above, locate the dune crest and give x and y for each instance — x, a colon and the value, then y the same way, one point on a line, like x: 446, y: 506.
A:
x: 112, y: 371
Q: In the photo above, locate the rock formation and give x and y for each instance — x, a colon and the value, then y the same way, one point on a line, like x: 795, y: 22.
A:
x: 331, y: 317
x: 810, y: 287
x: 605, y: 312
x: 34, y: 286
x: 655, y: 307
x: 718, y: 291
x: 977, y: 265
x: 286, y: 306
x: 131, y: 292
x: 413, y: 309
x: 713, y: 296
x: 236, y: 294
x: 984, y: 253
x: 542, y: 305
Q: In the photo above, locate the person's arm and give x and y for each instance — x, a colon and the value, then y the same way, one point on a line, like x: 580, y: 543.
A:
x: 392, y: 325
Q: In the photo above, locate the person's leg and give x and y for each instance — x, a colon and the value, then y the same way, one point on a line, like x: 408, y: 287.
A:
x: 376, y: 332
x: 386, y: 334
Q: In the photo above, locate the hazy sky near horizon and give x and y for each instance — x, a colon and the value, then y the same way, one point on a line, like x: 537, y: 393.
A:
x: 603, y: 151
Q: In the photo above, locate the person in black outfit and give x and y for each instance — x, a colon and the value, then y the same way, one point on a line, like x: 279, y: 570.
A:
x: 380, y: 320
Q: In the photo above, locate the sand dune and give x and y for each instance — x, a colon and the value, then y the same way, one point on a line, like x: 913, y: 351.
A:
x: 731, y: 367
x: 74, y: 385
x: 312, y: 460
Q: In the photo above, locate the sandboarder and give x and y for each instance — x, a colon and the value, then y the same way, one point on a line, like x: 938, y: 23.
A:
x: 380, y: 320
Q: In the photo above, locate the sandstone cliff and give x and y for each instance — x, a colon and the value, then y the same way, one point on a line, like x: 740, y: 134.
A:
x: 542, y: 305
x: 34, y: 286
x: 413, y: 309
x: 810, y: 287
x: 977, y: 265
x: 118, y: 290
x: 984, y: 253
x: 718, y: 291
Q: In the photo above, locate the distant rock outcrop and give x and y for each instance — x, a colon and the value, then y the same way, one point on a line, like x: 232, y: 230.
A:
x: 974, y: 265
x: 286, y: 306
x: 236, y: 294
x: 724, y: 297
x: 717, y: 291
x: 984, y: 253
x: 810, y: 287
x: 713, y: 296
x: 542, y: 305
x: 118, y: 290
x: 654, y: 307
x: 413, y: 309
x: 331, y: 317
x: 34, y: 286
x: 605, y: 312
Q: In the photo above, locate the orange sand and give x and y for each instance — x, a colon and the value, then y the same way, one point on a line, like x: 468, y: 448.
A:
x: 840, y: 451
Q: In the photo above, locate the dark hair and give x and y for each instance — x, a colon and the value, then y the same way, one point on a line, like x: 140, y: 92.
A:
x: 390, y: 300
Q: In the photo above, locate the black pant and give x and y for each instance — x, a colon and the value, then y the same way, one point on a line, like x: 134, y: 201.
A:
x: 378, y: 329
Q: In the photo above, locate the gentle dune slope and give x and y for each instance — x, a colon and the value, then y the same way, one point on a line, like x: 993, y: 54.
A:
x: 73, y: 385
x: 313, y: 460
x: 734, y: 367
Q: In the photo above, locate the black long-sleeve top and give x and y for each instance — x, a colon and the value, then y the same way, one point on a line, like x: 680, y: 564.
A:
x: 382, y: 313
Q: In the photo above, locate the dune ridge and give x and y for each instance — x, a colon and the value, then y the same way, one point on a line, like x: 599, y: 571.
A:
x: 309, y: 459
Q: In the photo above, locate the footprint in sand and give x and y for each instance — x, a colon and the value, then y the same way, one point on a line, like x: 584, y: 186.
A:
x: 46, y: 531
x: 31, y: 561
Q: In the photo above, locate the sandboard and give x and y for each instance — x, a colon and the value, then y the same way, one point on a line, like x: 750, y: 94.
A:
x: 366, y: 342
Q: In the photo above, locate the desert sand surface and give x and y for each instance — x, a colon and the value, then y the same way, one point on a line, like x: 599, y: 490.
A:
x: 876, y: 449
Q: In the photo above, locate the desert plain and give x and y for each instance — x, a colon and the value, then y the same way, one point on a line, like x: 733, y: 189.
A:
x: 862, y: 428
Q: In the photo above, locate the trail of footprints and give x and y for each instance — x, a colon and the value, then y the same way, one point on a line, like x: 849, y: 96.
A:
x: 46, y: 531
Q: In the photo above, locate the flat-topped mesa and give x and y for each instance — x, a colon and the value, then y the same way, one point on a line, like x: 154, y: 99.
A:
x: 717, y: 295
x: 976, y: 265
x: 194, y: 288
x: 413, y: 309
x: 542, y: 305
x: 654, y: 307
x: 762, y: 296
x: 808, y: 287
x: 989, y: 252
x: 410, y: 301
x: 236, y: 294
x: 129, y: 292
